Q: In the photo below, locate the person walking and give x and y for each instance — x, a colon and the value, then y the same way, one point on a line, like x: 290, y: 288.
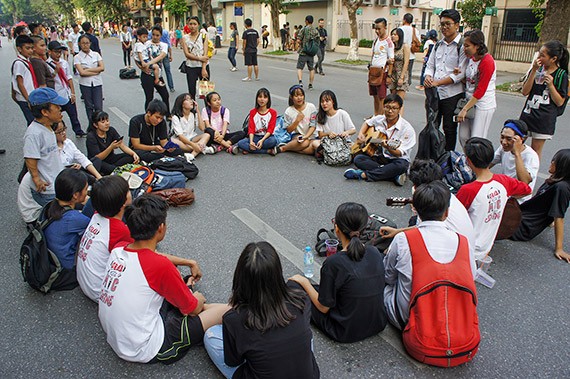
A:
x: 382, y: 56
x: 234, y: 39
x: 412, y: 39
x: 304, y: 36
x: 250, y: 39
x: 322, y: 45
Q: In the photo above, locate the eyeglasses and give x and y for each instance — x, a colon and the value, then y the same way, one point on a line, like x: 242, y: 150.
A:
x: 62, y: 131
x: 447, y: 24
x: 392, y: 109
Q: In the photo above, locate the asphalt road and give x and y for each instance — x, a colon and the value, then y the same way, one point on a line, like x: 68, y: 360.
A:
x: 285, y: 199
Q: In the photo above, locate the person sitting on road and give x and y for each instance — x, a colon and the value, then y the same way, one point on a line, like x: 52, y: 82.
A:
x: 217, y: 120
x: 517, y: 159
x: 148, y: 133
x: 145, y: 307
x: 486, y: 197
x: 102, y: 141
x: 262, y: 121
x: 348, y: 305
x: 267, y: 332
x: 185, y: 118
x: 109, y: 197
x: 63, y: 234
x: 392, y: 159
x: 549, y: 205
x: 300, y: 119
x: 331, y: 120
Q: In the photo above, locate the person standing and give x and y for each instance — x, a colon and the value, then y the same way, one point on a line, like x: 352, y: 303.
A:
x: 382, y: 56
x: 196, y: 54
x: 88, y: 29
x: 165, y: 38
x: 73, y: 39
x: 24, y: 79
x: 304, y: 36
x: 283, y: 33
x: 431, y: 39
x: 234, y: 38
x: 411, y: 38
x: 265, y: 36
x: 90, y: 65
x: 126, y: 45
x: 322, y: 45
x: 445, y: 71
x: 212, y: 33
x: 250, y: 39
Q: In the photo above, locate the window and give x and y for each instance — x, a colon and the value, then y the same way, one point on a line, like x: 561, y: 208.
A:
x: 519, y: 25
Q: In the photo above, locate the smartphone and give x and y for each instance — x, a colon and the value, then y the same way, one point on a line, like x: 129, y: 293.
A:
x: 378, y: 218
x: 120, y: 138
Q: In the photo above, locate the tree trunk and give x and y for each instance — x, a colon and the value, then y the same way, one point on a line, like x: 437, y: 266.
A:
x: 351, y: 7
x: 556, y: 22
x: 206, y: 8
x: 275, y: 27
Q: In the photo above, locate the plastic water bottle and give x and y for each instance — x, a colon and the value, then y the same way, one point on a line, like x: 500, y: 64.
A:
x: 308, y: 259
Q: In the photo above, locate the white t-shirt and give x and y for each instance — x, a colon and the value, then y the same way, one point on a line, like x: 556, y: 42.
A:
x: 508, y: 166
x: 40, y: 144
x: 184, y: 126
x: 74, y: 38
x: 125, y: 37
x: 308, y: 122
x: 215, y: 119
x: 408, y: 31
x: 101, y: 236
x: 402, y: 131
x: 140, y: 48
x: 61, y: 88
x: 70, y: 154
x: 212, y: 32
x: 90, y: 60
x: 338, y: 123
x: 21, y: 68
x: 382, y: 50
x: 29, y: 209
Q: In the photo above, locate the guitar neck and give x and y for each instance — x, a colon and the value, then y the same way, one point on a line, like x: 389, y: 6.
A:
x: 398, y: 201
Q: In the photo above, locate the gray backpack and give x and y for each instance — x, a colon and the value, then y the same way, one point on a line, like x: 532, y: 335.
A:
x: 336, y: 151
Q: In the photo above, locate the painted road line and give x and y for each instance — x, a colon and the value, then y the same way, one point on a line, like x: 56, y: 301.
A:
x: 119, y: 113
x: 282, y: 69
x: 295, y: 256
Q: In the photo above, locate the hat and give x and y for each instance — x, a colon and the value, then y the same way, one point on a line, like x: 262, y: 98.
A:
x: 431, y: 34
x: 46, y: 95
x: 55, y: 45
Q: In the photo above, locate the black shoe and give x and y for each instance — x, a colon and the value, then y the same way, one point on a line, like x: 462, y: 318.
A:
x: 310, y: 87
x: 2, y: 151
x: 81, y: 134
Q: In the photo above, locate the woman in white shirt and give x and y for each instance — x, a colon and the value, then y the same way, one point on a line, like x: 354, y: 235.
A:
x: 196, y: 55
x: 332, y: 121
x: 126, y: 45
x: 300, y: 120
x: 89, y: 64
x: 186, y: 118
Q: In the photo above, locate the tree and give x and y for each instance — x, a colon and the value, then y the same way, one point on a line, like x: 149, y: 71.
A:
x: 19, y: 9
x: 351, y: 7
x: 276, y: 7
x: 177, y: 8
x: 555, y: 22
x: 472, y: 11
x: 206, y: 9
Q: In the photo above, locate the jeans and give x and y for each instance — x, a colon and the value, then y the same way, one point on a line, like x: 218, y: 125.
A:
x: 446, y: 108
x: 93, y: 97
x: 381, y: 168
x: 147, y: 83
x: 26, y: 111
x: 42, y: 198
x: 321, y: 58
x: 71, y: 110
x: 232, y: 56
x: 214, y: 344
x: 269, y: 143
x: 166, y: 65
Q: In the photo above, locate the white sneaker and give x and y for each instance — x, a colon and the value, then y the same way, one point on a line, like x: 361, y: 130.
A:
x: 233, y: 69
x: 209, y: 150
x: 189, y: 157
x: 246, y: 80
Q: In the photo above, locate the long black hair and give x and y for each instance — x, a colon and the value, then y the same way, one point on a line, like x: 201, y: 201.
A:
x: 68, y: 182
x: 177, y: 107
x: 558, y: 50
x: 351, y: 219
x: 263, y: 91
x: 321, y: 114
x: 259, y: 290
x: 96, y: 117
x: 398, y: 45
x: 561, y: 162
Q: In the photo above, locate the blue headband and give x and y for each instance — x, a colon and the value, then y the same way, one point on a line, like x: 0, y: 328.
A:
x: 513, y: 126
x: 293, y: 88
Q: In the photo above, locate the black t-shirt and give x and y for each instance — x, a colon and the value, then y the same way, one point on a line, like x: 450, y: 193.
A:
x: 540, y: 111
x: 148, y: 134
x: 278, y: 353
x: 322, y: 33
x: 94, y: 43
x: 354, y: 292
x: 96, y: 144
x: 283, y: 33
x: 550, y: 202
x: 250, y: 36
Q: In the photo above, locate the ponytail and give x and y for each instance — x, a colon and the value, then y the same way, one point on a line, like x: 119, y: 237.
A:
x: 351, y: 219
x: 557, y: 49
x: 355, y: 249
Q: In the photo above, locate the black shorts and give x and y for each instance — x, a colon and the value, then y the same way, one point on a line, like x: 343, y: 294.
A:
x: 250, y: 59
x: 180, y: 334
x: 305, y: 59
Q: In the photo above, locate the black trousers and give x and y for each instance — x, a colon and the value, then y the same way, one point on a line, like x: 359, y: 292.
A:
x: 149, y: 156
x: 106, y: 167
x: 127, y: 56
x: 192, y: 76
x: 147, y: 83
x: 446, y: 113
x: 232, y: 137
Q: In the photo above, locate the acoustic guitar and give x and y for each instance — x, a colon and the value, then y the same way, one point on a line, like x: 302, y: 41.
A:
x: 511, y: 220
x: 398, y: 201
x: 371, y: 143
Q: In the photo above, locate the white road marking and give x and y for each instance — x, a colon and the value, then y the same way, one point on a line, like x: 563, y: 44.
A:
x: 282, y: 69
x: 120, y: 114
x: 295, y: 256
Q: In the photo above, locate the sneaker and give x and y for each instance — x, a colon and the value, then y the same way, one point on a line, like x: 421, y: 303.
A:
x: 301, y: 83
x: 273, y: 152
x: 257, y: 79
x: 246, y: 80
x: 2, y: 151
x: 209, y: 150
x: 400, y: 180
x: 172, y: 90
x: 233, y: 69
x: 322, y: 73
x: 310, y: 87
x: 219, y: 148
x: 189, y: 157
x: 233, y: 150
x: 281, y: 144
x: 81, y: 134
x: 353, y: 173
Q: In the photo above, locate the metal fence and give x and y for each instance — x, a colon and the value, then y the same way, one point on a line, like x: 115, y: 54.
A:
x: 514, y: 42
x: 365, y: 30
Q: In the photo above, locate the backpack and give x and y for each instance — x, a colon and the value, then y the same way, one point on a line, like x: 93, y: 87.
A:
x: 558, y: 84
x: 40, y: 266
x: 168, y: 179
x: 125, y: 168
x: 128, y: 73
x: 281, y: 134
x: 459, y: 45
x: 456, y: 171
x: 431, y: 140
x: 211, y: 48
x: 311, y: 46
x: 188, y: 169
x: 443, y: 327
x: 320, y: 246
x: 141, y: 180
x: 336, y: 151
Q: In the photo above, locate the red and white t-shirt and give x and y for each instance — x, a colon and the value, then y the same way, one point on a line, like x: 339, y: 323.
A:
x: 480, y: 82
x: 136, y: 284
x: 261, y: 123
x: 101, y: 236
x: 485, y: 203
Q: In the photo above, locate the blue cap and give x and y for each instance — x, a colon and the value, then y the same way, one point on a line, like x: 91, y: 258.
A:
x: 431, y: 34
x: 46, y: 95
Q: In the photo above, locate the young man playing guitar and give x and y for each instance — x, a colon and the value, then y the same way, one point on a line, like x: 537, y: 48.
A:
x: 390, y: 161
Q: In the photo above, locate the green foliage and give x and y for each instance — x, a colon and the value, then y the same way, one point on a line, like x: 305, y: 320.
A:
x: 343, y: 42
x: 539, y: 12
x: 277, y: 52
x: 473, y: 11
x: 365, y: 43
x: 358, y: 62
x: 176, y: 7
x: 104, y: 9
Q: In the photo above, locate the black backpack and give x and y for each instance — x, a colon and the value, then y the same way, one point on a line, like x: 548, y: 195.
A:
x: 40, y: 267
x: 177, y: 163
x: 128, y: 73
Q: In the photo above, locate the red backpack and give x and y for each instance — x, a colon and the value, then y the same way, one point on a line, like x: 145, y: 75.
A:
x: 443, y: 328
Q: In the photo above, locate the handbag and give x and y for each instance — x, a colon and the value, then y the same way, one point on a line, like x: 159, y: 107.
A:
x: 336, y: 151
x: 182, y: 67
x: 176, y: 197
x: 205, y: 87
x: 460, y: 105
x: 376, y: 76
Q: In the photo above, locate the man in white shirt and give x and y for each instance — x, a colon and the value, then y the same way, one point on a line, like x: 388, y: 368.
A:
x: 445, y: 71
x: 517, y: 159
x: 73, y: 38
x: 410, y: 32
x: 392, y: 159
x: 382, y: 53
